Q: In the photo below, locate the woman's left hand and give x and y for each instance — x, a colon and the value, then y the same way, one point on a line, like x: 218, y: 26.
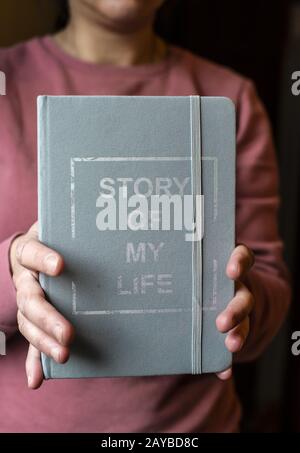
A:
x: 234, y: 320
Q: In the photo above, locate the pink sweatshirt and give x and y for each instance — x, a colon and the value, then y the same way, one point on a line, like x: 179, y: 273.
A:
x: 154, y: 404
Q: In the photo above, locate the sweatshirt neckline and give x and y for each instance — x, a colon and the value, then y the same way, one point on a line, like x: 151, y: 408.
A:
x: 148, y: 69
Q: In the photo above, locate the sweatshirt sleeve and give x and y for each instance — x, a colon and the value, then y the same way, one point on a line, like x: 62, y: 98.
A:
x: 8, y: 305
x: 257, y: 223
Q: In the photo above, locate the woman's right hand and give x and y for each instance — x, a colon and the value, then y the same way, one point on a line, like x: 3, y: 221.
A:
x: 44, y: 327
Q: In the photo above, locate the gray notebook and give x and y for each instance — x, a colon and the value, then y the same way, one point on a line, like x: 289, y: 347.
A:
x: 138, y: 195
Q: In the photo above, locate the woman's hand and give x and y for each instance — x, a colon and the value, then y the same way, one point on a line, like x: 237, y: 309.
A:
x: 235, y: 318
x: 44, y: 327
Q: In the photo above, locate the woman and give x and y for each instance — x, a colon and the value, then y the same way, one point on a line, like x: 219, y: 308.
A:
x: 109, y: 47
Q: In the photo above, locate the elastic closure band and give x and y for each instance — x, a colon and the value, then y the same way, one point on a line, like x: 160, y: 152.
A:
x: 196, y: 172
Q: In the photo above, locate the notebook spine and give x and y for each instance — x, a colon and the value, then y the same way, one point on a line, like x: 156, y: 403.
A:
x: 43, y: 200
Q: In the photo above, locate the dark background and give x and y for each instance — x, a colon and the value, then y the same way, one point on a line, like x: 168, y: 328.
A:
x: 260, y: 39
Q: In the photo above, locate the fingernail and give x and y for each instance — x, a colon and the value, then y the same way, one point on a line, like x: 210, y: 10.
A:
x: 235, y: 267
x: 51, y: 262
x: 55, y: 352
x: 221, y: 322
x: 58, y: 332
x: 29, y: 380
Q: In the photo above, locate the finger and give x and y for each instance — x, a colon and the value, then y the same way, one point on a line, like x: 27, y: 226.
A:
x: 240, y: 262
x: 34, y: 230
x: 33, y: 305
x: 28, y: 276
x: 33, y: 368
x: 43, y: 342
x: 224, y: 375
x: 237, y: 309
x: 34, y: 255
x: 43, y: 315
x: 236, y: 338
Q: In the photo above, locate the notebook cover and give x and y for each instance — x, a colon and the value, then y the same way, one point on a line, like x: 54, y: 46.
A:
x: 142, y: 302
